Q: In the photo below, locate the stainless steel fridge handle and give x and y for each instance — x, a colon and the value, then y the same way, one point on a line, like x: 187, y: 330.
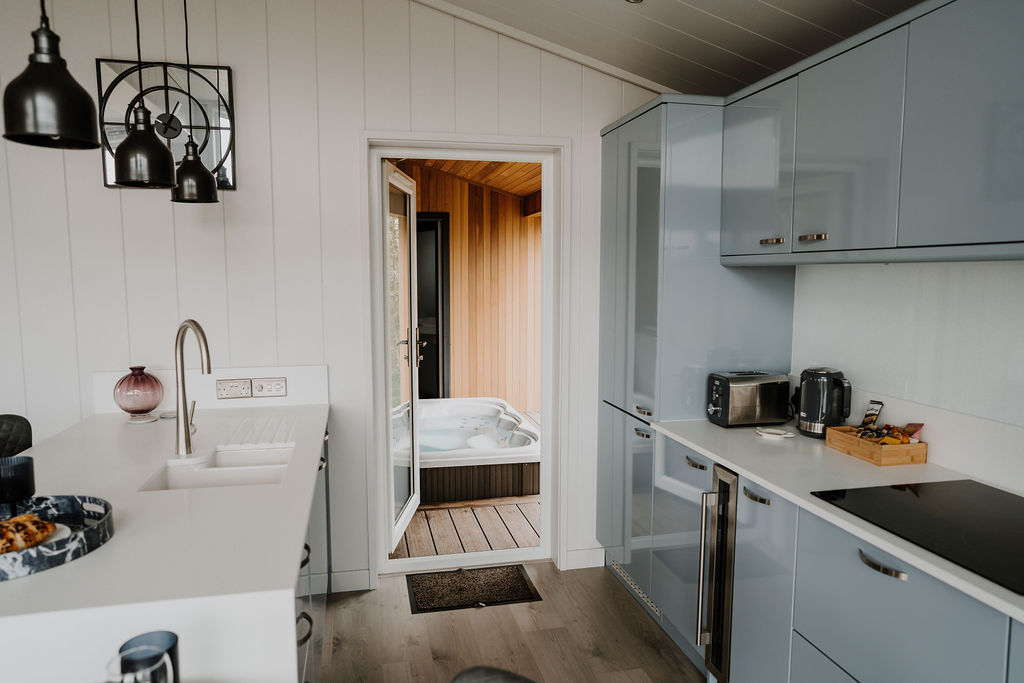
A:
x: 881, y: 568
x: 706, y: 497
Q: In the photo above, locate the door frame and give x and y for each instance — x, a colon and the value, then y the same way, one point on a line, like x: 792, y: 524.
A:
x: 554, y: 155
x: 443, y: 220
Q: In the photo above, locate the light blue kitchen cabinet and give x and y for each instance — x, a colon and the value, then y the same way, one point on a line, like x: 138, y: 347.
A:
x: 762, y: 596
x: 611, y: 430
x: 881, y: 619
x: 1015, y: 670
x: 680, y: 476
x: 811, y: 666
x: 963, y: 142
x: 758, y: 147
x: 848, y: 140
x: 639, y: 467
x: 670, y: 312
x: 624, y: 474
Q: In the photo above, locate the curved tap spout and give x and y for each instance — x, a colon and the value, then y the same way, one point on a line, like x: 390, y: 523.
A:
x: 184, y: 417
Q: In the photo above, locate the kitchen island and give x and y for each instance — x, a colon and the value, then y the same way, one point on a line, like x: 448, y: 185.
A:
x: 218, y: 566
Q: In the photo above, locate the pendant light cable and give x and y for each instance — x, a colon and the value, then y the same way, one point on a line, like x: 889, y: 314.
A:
x: 138, y: 51
x: 43, y: 19
x: 188, y: 70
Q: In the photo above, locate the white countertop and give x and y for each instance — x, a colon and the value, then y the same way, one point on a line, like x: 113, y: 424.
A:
x: 792, y: 468
x: 171, y: 545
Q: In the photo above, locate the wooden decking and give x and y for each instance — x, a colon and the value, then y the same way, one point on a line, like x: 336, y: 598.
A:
x: 472, y: 526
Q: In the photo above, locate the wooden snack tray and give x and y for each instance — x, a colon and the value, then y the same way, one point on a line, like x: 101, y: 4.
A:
x: 845, y: 439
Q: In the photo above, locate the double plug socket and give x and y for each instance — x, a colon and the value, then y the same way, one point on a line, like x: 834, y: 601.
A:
x: 260, y: 387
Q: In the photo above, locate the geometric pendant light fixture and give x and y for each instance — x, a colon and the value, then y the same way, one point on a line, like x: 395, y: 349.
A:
x: 141, y: 160
x: 196, y: 184
x: 45, y: 105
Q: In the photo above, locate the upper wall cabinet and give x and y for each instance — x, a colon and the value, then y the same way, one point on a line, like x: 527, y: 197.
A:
x: 670, y: 313
x: 963, y: 145
x: 849, y: 126
x: 757, y: 171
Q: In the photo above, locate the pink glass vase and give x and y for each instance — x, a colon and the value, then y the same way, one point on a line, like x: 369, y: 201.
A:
x: 138, y: 394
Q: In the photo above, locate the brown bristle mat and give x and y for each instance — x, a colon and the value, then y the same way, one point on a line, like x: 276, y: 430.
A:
x: 464, y: 588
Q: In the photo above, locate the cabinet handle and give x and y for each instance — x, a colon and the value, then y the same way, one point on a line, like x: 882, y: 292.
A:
x: 323, y: 463
x: 304, y: 616
x: 644, y: 411
x: 641, y: 433
x: 307, y: 551
x: 756, y: 498
x: 881, y: 568
x: 694, y: 464
x: 703, y: 637
x: 773, y: 240
x: 814, y: 237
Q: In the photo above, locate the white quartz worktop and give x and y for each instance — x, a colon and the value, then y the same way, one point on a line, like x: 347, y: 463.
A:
x: 792, y: 468
x: 176, y: 544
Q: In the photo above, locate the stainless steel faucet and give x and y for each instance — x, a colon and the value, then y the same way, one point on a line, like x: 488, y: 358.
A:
x: 185, y: 411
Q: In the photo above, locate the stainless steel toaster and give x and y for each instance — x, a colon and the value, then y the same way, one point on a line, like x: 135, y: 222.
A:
x: 748, y: 397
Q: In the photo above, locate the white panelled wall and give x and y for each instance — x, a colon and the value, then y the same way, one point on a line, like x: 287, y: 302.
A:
x: 94, y: 279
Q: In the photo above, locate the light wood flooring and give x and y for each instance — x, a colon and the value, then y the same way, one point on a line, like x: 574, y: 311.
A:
x: 472, y: 526
x: 586, y: 628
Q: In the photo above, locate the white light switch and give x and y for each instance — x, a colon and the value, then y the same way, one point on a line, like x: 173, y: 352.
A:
x: 270, y: 386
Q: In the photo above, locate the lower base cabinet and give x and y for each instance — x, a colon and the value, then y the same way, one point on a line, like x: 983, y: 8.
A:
x: 1015, y: 673
x: 810, y: 666
x: 762, y: 594
x: 881, y: 619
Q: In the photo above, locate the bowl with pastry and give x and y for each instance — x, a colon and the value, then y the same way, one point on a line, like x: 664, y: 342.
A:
x: 41, y: 532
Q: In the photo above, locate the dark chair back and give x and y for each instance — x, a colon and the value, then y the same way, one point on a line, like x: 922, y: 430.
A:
x: 15, y: 435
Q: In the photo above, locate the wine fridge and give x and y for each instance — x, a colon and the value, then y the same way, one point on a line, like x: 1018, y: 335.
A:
x: 716, y: 564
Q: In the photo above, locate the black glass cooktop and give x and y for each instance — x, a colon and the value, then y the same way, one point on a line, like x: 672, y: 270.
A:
x: 975, y: 526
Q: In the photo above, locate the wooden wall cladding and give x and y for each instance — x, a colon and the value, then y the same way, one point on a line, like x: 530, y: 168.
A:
x: 477, y: 482
x: 495, y: 288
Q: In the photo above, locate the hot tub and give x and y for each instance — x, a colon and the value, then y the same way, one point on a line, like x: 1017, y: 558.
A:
x: 474, y: 448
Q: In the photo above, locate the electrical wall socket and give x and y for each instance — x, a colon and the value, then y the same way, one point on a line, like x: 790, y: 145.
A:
x: 234, y: 388
x: 270, y: 386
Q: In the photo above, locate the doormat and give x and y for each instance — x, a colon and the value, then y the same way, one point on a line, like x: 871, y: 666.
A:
x: 462, y: 588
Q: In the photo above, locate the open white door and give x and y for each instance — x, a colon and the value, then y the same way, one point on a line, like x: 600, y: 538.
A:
x: 399, y: 239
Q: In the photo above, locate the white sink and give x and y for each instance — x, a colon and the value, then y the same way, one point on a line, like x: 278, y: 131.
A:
x: 188, y: 477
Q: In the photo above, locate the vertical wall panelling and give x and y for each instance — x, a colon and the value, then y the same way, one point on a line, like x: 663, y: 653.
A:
x: 518, y: 88
x: 343, y: 208
x: 12, y: 371
x: 294, y: 150
x: 633, y: 96
x: 476, y: 88
x: 94, y: 214
x: 432, y: 64
x: 386, y: 60
x: 602, y: 102
x: 199, y: 228
x: 38, y: 214
x: 249, y: 210
x: 146, y: 217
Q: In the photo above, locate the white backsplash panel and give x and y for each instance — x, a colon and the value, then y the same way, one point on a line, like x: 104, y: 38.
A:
x: 949, y: 335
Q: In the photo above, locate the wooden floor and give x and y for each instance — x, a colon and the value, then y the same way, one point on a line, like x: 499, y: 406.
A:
x: 472, y: 526
x: 586, y: 628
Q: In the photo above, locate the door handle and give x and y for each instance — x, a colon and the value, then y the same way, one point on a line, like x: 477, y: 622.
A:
x: 304, y: 616
x: 881, y: 568
x: 703, y: 637
x: 773, y: 240
x: 306, y: 552
x: 814, y: 237
x: 641, y: 433
x: 644, y: 411
x: 690, y: 462
x: 756, y: 498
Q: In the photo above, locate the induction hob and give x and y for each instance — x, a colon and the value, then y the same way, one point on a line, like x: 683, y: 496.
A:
x: 968, y: 523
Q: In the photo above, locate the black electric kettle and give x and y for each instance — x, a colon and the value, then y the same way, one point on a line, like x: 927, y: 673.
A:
x: 824, y: 400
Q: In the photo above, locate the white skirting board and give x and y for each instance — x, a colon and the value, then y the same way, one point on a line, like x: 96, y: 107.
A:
x: 342, y: 582
x: 583, y: 558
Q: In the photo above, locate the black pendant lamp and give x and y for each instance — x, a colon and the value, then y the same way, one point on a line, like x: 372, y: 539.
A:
x: 141, y: 160
x: 45, y: 105
x: 196, y: 184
